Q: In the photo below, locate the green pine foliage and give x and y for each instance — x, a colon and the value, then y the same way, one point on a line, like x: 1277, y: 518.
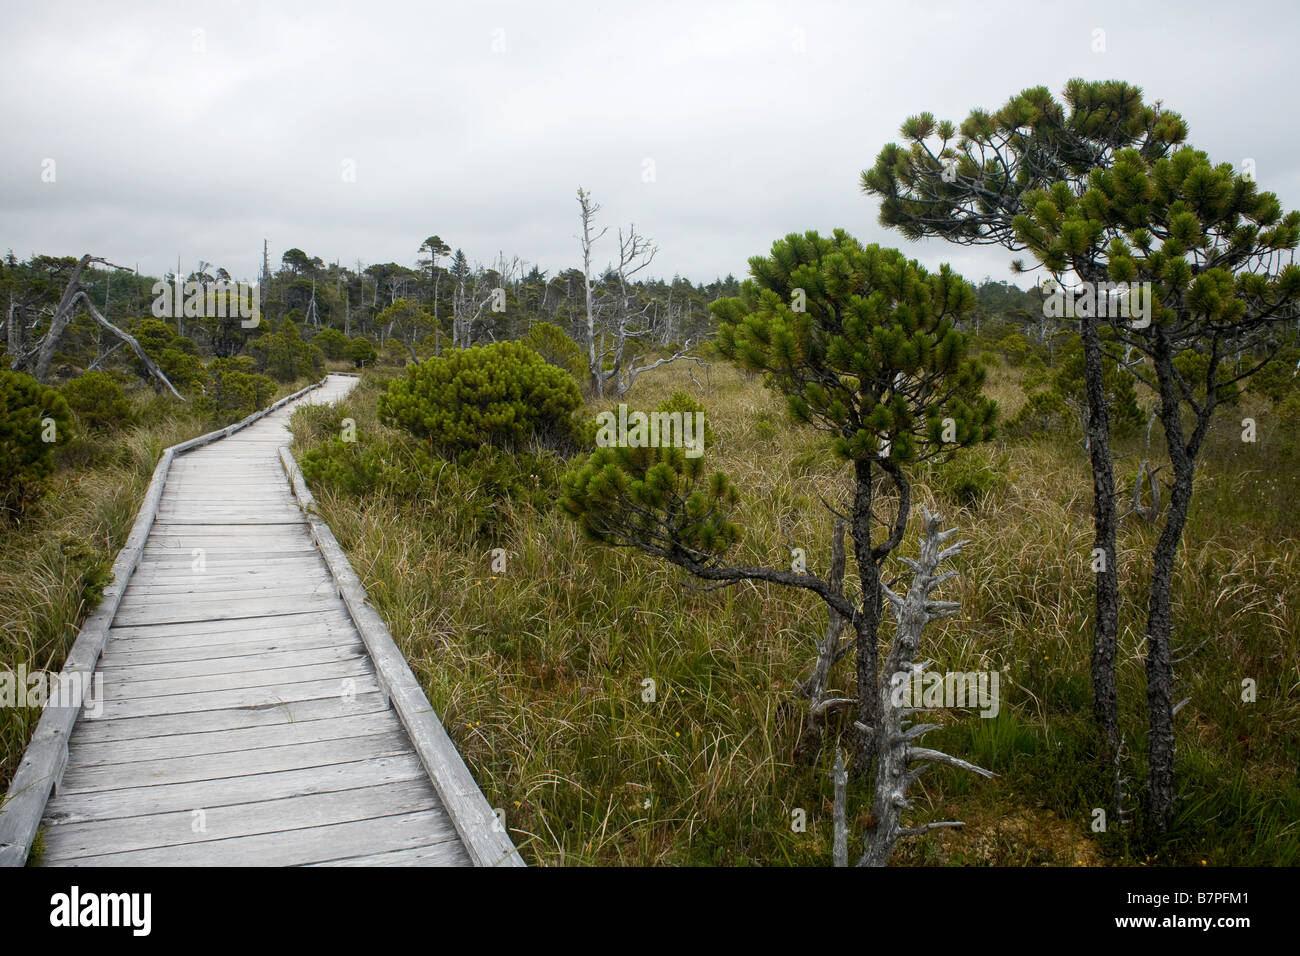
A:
x: 862, y: 343
x: 551, y: 343
x: 99, y: 401
x: 285, y: 356
x: 502, y: 395
x: 654, y: 498
x: 29, y: 413
x: 655, y: 495
x: 332, y: 342
x: 361, y: 351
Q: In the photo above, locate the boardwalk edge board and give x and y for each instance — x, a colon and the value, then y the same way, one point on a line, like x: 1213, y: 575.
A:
x: 485, y: 839
x: 46, y: 756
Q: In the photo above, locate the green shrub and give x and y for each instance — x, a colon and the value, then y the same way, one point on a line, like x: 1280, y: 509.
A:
x: 1286, y: 425
x: 285, y: 356
x: 550, y: 342
x: 99, y: 402
x: 232, y: 391
x: 351, y: 468
x: 1044, y: 413
x: 1126, y: 417
x: 1279, y: 376
x: 332, y: 342
x: 182, y: 369
x: 504, y: 395
x: 176, y: 355
x: 361, y: 351
x: 29, y: 414
x: 1015, y: 347
x: 971, y: 476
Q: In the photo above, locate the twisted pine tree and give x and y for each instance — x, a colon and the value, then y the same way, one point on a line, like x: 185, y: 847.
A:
x: 1099, y: 189
x: 969, y: 186
x: 861, y: 342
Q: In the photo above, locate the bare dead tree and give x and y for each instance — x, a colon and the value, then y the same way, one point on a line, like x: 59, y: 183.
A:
x: 899, y: 762
x: 38, y: 359
x: 589, y: 209
x: 840, y: 834
x: 616, y: 321
x: 831, y: 648
x: 468, y: 306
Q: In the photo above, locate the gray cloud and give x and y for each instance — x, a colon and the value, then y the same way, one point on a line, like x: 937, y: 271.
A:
x: 479, y: 124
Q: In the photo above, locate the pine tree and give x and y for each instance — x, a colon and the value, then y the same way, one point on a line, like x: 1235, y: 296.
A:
x: 861, y: 343
x: 1101, y: 190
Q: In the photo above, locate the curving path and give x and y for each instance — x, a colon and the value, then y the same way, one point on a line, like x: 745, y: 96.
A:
x: 246, y: 715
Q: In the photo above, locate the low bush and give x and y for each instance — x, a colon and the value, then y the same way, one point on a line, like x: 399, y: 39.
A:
x: 98, y: 401
x: 502, y: 395
x: 33, y: 419
x: 333, y: 343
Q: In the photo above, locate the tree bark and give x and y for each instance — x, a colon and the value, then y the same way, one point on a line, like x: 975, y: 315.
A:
x: 1159, y: 631
x: 1105, y: 629
x: 129, y: 339
x: 59, y: 321
x: 867, y: 625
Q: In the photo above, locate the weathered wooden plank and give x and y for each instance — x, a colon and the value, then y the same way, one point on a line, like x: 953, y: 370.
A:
x: 69, y: 841
x: 219, y: 766
x: 232, y: 565
x: 217, y: 632
x: 117, y: 688
x: 181, y: 582
x: 297, y: 847
x: 306, y: 565
x: 290, y: 671
x: 166, y: 798
x: 341, y: 642
x: 197, y: 611
x: 116, y: 673
x: 86, y: 754
x: 198, y: 589
x: 201, y: 589
x: 435, y: 855
x: 225, y: 643
x: 236, y: 718
x: 269, y: 697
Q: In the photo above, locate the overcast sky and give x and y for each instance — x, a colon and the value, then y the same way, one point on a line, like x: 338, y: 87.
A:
x: 198, y: 129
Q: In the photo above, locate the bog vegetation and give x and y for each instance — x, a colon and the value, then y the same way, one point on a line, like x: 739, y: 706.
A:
x: 653, y: 657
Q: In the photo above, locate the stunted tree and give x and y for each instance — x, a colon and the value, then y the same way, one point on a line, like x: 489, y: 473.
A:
x: 435, y: 247
x: 1099, y: 190
x: 969, y: 186
x: 861, y: 343
x: 1209, y: 246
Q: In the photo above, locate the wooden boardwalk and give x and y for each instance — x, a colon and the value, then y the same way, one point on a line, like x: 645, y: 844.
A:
x: 254, y: 709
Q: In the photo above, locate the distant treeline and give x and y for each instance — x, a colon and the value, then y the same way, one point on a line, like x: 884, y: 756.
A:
x: 424, y: 305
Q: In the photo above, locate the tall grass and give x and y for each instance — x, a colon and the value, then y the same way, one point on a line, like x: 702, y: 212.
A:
x: 540, y: 672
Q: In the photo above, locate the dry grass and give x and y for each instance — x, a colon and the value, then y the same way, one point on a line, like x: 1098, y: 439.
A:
x: 538, y: 672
